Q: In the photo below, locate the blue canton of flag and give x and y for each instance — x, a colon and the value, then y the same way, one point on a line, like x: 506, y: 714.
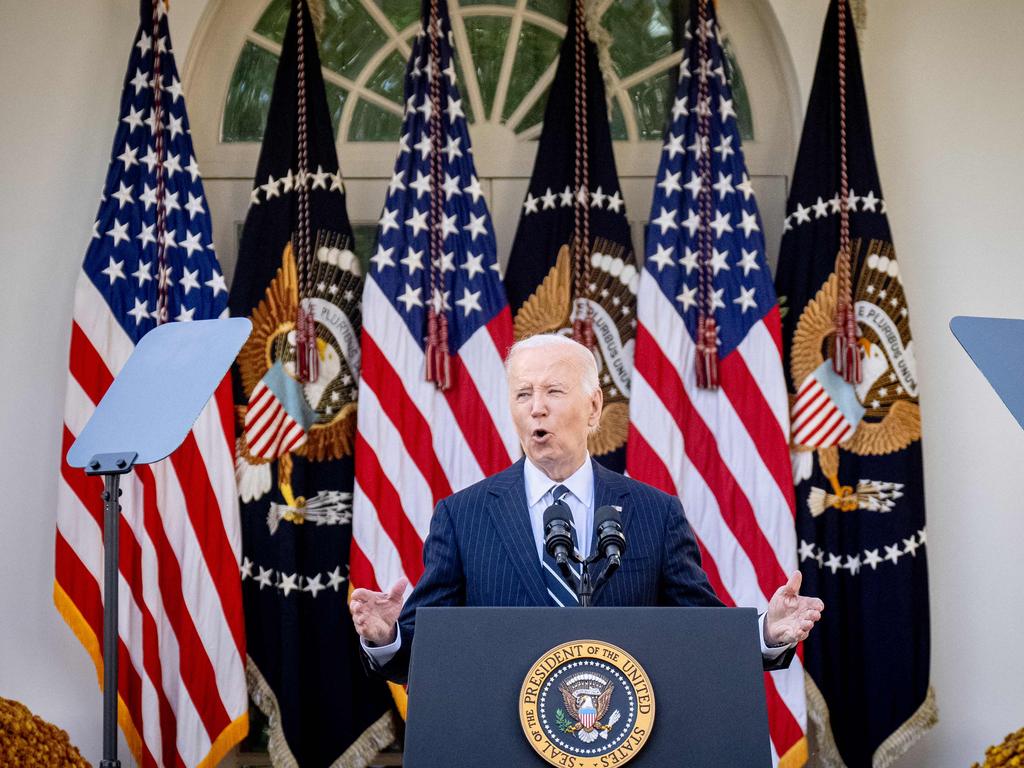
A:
x: 472, y: 294
x: 122, y: 258
x: 741, y: 290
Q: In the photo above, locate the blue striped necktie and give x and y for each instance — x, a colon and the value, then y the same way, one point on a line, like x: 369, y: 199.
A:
x: 559, y: 592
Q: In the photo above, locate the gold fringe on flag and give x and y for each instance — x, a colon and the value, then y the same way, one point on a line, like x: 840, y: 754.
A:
x: 823, y: 749
x: 359, y: 754
x: 859, y: 11
x: 602, y: 40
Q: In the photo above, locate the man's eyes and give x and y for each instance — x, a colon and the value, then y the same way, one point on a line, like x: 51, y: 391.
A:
x: 523, y: 396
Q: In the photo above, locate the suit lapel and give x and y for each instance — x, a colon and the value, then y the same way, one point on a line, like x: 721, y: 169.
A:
x: 610, y: 488
x: 511, y: 517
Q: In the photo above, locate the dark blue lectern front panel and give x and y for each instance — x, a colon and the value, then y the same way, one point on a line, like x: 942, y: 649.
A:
x: 469, y: 664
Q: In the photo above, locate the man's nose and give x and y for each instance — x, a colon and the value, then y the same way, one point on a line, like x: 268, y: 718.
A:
x: 538, y: 405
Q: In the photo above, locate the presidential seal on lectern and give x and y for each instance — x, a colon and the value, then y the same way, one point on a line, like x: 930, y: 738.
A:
x: 586, y: 704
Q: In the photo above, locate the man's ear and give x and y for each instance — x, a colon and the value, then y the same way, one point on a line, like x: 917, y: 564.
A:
x: 596, y: 404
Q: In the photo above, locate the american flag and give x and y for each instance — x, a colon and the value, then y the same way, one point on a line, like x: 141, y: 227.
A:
x: 181, y: 650
x: 722, y: 451
x: 417, y: 443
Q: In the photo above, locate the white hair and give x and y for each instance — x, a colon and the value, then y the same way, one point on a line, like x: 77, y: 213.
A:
x: 587, y: 364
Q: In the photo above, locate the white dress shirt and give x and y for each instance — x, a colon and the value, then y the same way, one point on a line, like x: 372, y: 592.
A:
x: 581, y: 501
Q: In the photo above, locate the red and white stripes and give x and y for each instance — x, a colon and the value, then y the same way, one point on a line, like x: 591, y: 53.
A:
x: 817, y: 420
x: 181, y: 627
x: 416, y: 444
x: 725, y: 454
x: 270, y: 431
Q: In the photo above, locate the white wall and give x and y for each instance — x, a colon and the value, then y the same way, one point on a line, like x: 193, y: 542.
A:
x: 945, y: 89
x: 947, y: 100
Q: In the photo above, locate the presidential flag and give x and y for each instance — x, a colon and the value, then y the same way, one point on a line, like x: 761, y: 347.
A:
x: 433, y: 404
x: 572, y: 266
x: 300, y: 282
x: 708, y: 414
x: 181, y: 634
x: 856, y: 438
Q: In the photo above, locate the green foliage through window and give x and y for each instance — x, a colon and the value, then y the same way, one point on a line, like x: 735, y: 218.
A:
x: 364, y: 47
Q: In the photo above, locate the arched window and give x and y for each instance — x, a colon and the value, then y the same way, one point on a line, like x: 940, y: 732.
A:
x: 506, y: 53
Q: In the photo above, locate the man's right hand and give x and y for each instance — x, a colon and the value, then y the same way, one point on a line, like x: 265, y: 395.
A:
x: 375, y: 614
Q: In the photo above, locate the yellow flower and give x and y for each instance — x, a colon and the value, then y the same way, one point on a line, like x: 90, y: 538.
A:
x: 28, y: 741
x: 1009, y: 753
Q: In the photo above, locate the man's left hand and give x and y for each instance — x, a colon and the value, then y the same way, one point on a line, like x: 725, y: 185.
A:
x: 790, y: 615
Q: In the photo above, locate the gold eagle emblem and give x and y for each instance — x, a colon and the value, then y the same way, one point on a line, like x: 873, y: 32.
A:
x: 887, y: 394
x: 320, y: 413
x: 599, y: 704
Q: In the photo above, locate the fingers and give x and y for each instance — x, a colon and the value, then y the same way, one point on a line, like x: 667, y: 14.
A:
x: 398, y: 589
x: 793, y: 585
x: 811, y: 604
x: 809, y: 610
x: 361, y: 601
x: 360, y: 614
x: 803, y: 630
x: 796, y: 631
x: 361, y: 595
x: 798, y: 621
x: 801, y: 627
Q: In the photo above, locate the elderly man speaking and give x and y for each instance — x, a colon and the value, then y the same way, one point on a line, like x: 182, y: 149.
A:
x: 486, y: 543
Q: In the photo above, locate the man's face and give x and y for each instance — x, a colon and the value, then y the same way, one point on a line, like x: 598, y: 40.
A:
x: 552, y: 413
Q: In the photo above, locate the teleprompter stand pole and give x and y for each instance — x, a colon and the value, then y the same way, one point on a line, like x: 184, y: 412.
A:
x: 110, y: 466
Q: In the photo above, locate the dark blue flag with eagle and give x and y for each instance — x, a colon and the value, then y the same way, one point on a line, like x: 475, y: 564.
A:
x: 572, y: 269
x: 296, y: 386
x: 856, y: 430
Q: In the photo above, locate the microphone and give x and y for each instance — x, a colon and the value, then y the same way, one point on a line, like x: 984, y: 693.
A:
x: 611, y: 541
x: 558, y: 534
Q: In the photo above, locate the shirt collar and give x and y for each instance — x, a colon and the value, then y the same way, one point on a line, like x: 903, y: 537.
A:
x: 580, y: 483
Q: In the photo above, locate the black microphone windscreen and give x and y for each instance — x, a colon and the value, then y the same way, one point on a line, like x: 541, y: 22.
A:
x: 557, y: 511
x: 605, y: 514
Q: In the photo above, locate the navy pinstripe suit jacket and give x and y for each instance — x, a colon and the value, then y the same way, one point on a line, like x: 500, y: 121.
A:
x: 481, y: 551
